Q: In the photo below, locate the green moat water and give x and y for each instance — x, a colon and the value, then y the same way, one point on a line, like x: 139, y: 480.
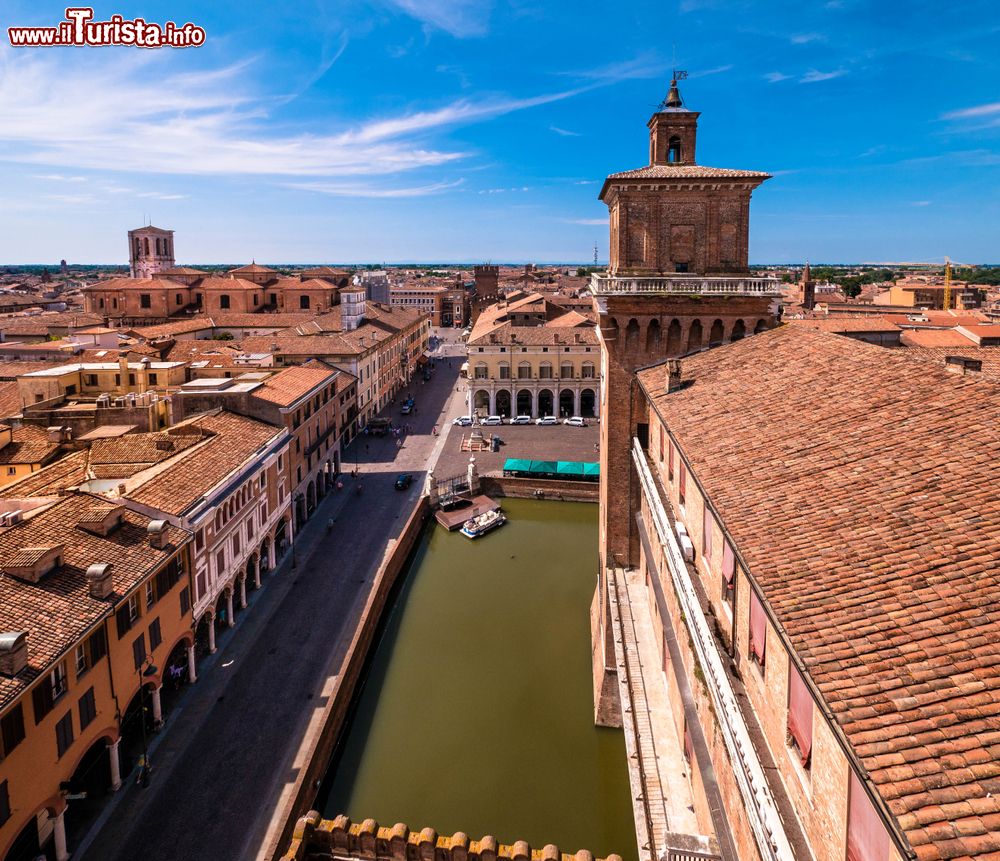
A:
x: 477, y: 712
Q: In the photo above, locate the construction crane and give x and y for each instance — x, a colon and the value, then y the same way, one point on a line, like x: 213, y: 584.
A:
x: 947, y: 284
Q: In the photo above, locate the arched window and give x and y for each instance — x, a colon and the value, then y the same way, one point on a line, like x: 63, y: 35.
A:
x: 145, y: 244
x: 653, y: 336
x: 138, y: 247
x: 674, y: 149
x: 632, y: 334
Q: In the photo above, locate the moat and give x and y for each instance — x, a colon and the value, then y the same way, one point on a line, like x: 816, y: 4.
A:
x: 477, y: 711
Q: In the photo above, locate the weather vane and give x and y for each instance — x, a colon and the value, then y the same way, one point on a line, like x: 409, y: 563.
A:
x: 680, y: 74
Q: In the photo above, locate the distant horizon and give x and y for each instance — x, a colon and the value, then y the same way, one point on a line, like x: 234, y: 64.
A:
x: 459, y: 264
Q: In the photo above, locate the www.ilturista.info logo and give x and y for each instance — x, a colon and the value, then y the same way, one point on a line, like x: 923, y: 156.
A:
x: 81, y: 30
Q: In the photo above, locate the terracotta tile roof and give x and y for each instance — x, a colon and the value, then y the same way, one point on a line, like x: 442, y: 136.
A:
x: 30, y: 444
x: 57, y: 611
x: 143, y: 285
x: 934, y: 338
x: 534, y: 336
x: 69, y: 471
x: 38, y: 325
x: 232, y: 440
x: 10, y: 399
x: 223, y: 284
x: 679, y: 173
x: 843, y: 325
x: 989, y: 356
x: 859, y: 486
x: 12, y: 370
x: 571, y: 319
x: 253, y: 268
x: 288, y: 386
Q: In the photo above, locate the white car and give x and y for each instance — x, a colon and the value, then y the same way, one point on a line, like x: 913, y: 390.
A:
x: 575, y: 422
x: 462, y: 421
x: 547, y: 420
x: 521, y: 420
x: 492, y: 420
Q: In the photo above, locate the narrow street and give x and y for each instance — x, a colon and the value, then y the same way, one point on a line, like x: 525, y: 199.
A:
x: 226, y: 751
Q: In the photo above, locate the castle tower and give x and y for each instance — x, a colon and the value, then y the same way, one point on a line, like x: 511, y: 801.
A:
x: 150, y: 250
x: 678, y: 282
x: 487, y: 288
x: 808, y: 289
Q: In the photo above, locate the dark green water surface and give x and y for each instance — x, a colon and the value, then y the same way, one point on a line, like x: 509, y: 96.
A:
x: 477, y: 712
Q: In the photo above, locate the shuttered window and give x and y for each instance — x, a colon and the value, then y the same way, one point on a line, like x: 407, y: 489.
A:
x: 867, y: 839
x: 758, y: 629
x: 800, y: 714
x: 707, y: 524
x: 728, y: 573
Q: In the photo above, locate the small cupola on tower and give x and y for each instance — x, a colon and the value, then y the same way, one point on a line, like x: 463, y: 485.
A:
x: 673, y: 128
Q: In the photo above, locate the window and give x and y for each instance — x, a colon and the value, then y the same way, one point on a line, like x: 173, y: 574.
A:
x: 504, y: 371
x: 758, y: 629
x: 179, y: 299
x: 706, y: 534
x: 236, y: 544
x: 545, y: 371
x: 139, y: 650
x: 185, y: 600
x: 88, y: 709
x: 481, y: 371
x: 155, y: 637
x: 131, y: 379
x: 800, y: 715
x: 150, y: 594
x: 134, y: 610
x: 524, y: 371
x: 64, y: 733
x: 587, y: 371
x: 12, y: 730
x: 728, y: 574
x: 224, y: 302
x: 80, y: 662
x: 661, y: 443
x: 145, y: 301
x: 304, y: 303
x: 90, y: 379
x: 152, y: 379
x: 565, y: 371
x: 11, y: 470
x: 867, y: 839
x: 4, y: 802
x: 682, y: 482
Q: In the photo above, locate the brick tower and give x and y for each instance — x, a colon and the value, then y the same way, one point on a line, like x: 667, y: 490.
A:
x: 487, y: 288
x: 150, y: 250
x: 678, y: 281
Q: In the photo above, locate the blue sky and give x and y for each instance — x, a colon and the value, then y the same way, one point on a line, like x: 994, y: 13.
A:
x: 467, y: 130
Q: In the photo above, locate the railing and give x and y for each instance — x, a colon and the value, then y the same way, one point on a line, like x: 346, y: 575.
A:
x: 762, y: 810
x: 686, y: 284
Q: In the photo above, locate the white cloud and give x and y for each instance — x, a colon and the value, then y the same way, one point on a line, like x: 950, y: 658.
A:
x: 814, y: 76
x: 977, y: 111
x: 921, y: 202
x: 343, y: 190
x: 718, y: 70
x: 564, y: 132
x: 806, y: 38
x: 131, y: 114
x: 589, y: 222
x: 776, y: 77
x: 460, y: 18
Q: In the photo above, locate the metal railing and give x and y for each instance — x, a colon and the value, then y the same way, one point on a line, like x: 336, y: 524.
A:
x: 763, y: 815
x: 684, y: 284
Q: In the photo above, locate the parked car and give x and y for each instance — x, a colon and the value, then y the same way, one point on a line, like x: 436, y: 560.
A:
x: 462, y: 421
x: 403, y: 481
x: 492, y: 420
x: 575, y: 422
x: 521, y: 420
x: 547, y: 420
x: 407, y: 409
x: 427, y: 374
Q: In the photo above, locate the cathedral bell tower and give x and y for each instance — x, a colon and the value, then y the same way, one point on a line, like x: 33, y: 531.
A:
x: 678, y: 281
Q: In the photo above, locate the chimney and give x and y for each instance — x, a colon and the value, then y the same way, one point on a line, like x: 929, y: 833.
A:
x: 99, y: 580
x: 962, y: 365
x: 157, y: 533
x: 13, y: 652
x: 673, y: 375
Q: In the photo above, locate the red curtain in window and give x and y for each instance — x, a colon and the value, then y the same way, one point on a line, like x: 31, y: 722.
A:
x: 683, y: 481
x: 728, y: 562
x: 867, y: 839
x: 670, y: 460
x: 706, y: 534
x: 661, y: 443
x: 800, y: 713
x: 758, y: 628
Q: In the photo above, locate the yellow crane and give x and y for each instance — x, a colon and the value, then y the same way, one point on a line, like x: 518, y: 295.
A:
x: 947, y: 284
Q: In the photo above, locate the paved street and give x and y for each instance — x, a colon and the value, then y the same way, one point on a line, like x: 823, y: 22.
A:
x: 222, y: 760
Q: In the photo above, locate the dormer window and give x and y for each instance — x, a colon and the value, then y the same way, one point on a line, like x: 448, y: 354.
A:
x: 33, y: 563
x: 99, y: 520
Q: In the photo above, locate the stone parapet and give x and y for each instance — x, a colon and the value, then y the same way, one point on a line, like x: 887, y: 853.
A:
x: 318, y: 839
x: 684, y: 284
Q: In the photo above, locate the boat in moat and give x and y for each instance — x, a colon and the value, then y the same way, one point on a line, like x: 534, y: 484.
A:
x: 483, y: 523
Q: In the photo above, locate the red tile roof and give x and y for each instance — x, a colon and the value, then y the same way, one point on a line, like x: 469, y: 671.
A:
x: 859, y: 486
x: 288, y: 386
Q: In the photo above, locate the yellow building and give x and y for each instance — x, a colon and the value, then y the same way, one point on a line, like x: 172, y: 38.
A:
x: 24, y: 450
x: 94, y: 605
x: 529, y: 357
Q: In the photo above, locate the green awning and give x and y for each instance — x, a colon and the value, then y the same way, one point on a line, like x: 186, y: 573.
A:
x: 593, y: 469
x: 516, y: 464
x: 544, y: 466
x: 571, y: 467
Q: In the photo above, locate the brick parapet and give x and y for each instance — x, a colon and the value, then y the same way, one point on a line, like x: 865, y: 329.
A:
x: 316, y: 839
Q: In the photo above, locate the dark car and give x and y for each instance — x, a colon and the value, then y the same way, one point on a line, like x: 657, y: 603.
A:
x: 403, y: 481
x: 427, y: 375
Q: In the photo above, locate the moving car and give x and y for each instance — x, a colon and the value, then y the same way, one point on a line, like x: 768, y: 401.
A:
x: 462, y: 421
x: 521, y: 420
x: 575, y: 422
x: 492, y: 420
x: 403, y: 481
x: 407, y: 409
x: 547, y: 420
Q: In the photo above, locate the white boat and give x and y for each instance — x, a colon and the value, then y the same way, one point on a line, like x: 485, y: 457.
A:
x: 483, y: 523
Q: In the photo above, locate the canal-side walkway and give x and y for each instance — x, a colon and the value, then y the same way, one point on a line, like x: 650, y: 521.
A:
x: 228, y: 749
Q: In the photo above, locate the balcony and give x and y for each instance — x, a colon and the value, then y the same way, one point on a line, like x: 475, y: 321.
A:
x: 684, y: 284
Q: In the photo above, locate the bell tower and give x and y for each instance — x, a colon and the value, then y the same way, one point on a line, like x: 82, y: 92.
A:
x: 678, y: 282
x: 150, y: 250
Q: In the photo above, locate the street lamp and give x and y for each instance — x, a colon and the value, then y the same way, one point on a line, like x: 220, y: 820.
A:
x: 146, y: 670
